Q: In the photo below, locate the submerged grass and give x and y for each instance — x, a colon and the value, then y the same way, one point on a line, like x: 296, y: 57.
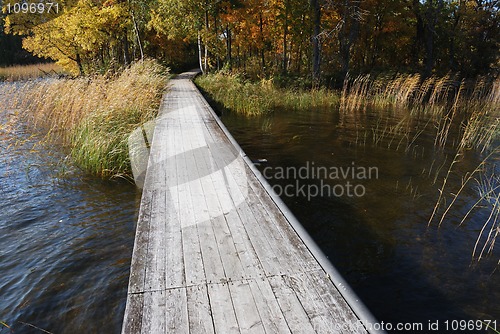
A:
x: 466, y: 117
x: 469, y: 111
x: 92, y: 116
x: 239, y: 95
x: 460, y: 115
x: 25, y: 72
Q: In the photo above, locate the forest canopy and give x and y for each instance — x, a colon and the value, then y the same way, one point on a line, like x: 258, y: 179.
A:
x: 318, y: 39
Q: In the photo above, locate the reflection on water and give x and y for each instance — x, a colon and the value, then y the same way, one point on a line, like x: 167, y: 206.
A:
x: 401, y: 268
x: 65, y: 241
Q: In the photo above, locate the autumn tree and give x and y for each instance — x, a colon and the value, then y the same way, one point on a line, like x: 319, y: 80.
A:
x: 316, y: 39
x: 88, y: 35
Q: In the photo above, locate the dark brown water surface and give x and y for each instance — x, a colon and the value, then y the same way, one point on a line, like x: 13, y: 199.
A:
x: 65, y: 240
x: 402, y: 269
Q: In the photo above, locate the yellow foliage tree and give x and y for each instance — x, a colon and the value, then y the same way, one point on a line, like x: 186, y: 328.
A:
x: 80, y: 35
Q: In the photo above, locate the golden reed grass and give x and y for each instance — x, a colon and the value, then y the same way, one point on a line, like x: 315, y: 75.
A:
x: 25, y: 72
x: 446, y: 99
x: 401, y: 91
x: 93, y: 116
x: 234, y: 93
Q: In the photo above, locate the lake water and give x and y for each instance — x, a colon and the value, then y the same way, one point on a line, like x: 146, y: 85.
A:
x: 65, y: 240
x: 402, y: 269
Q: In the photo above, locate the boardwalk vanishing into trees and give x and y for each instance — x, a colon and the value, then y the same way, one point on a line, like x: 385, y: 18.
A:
x: 215, y: 250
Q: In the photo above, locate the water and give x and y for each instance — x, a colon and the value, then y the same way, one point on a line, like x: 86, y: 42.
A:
x: 65, y: 240
x: 402, y: 269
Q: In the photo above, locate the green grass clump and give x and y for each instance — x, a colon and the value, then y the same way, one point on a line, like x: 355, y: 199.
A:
x: 237, y: 94
x: 93, y: 116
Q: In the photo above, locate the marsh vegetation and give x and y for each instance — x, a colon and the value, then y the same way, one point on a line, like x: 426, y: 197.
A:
x: 442, y: 120
x: 92, y: 116
x: 25, y: 72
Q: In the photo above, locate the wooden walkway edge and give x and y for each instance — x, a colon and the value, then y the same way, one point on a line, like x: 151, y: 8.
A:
x: 216, y: 251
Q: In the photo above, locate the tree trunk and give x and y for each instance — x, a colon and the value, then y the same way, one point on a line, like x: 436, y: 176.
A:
x: 429, y: 52
x: 229, y: 56
x: 419, y: 33
x: 136, y: 29
x: 285, y: 35
x: 432, y: 14
x: 199, y: 54
x: 216, y: 34
x: 207, y: 26
x: 348, y: 34
x: 238, y: 59
x: 79, y: 63
x: 262, y: 55
x: 124, y: 51
x: 316, y: 46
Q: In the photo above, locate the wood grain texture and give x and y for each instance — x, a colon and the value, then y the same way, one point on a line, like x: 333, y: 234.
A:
x: 223, y: 309
x: 213, y: 252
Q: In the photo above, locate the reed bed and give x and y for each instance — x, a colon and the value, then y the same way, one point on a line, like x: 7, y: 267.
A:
x: 474, y: 106
x: 465, y: 116
x: 434, y: 94
x: 235, y: 93
x: 92, y: 116
x: 462, y: 116
x: 25, y: 72
x: 368, y: 91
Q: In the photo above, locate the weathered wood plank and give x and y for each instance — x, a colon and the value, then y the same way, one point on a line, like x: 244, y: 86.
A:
x: 219, y: 204
x: 203, y: 207
x: 269, y: 309
x: 321, y: 319
x: 156, y: 262
x: 281, y: 229
x: 252, y: 267
x: 193, y: 263
x: 132, y: 320
x: 214, y: 252
x: 177, y: 311
x: 231, y: 262
x: 295, y: 315
x: 222, y: 309
x: 140, y: 252
x: 175, y: 276
x: 235, y: 247
x: 335, y: 304
x: 267, y: 257
x: 245, y: 308
x: 154, y: 312
x: 280, y: 235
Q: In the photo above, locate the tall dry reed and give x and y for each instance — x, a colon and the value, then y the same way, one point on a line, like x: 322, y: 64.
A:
x: 93, y: 116
x: 400, y: 91
x: 254, y: 98
x: 448, y: 100
x: 25, y: 72
x: 466, y: 116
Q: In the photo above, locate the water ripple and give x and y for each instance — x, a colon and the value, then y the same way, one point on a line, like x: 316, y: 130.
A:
x: 65, y: 244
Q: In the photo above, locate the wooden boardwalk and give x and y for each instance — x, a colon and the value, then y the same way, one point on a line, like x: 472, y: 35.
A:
x: 214, y: 251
